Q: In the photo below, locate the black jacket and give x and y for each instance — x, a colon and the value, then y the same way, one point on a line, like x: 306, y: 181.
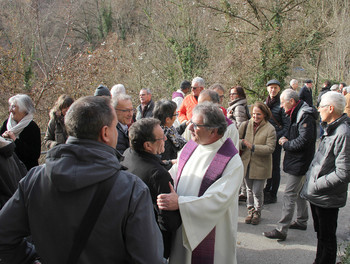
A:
x: 11, y: 171
x: 149, y: 168
x: 305, y: 94
x: 280, y: 116
x: 53, y: 198
x: 123, y: 139
x: 28, y: 144
x: 300, y: 147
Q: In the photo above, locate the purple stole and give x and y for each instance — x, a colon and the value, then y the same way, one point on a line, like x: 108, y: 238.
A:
x: 177, y: 94
x: 204, y: 252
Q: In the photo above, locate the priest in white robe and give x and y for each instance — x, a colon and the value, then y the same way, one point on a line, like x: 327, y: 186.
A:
x: 207, y: 179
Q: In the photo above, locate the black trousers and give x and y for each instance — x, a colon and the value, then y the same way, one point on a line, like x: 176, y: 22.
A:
x: 325, y: 225
x: 273, y: 183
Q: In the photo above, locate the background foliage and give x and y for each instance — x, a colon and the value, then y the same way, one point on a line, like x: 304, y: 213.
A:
x: 50, y: 47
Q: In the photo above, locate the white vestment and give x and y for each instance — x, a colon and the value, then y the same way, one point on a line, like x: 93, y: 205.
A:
x: 217, y: 207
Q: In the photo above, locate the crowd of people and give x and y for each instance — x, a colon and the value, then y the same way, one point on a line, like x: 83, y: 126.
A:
x: 162, y: 182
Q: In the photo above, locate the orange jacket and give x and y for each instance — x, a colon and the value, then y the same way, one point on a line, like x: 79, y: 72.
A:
x: 185, y: 110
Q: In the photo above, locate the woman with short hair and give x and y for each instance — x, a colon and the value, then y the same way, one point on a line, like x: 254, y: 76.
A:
x: 22, y: 130
x: 257, y: 145
x: 165, y: 111
x: 56, y: 130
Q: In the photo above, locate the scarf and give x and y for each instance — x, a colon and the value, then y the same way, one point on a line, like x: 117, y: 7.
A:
x: 17, y: 128
x: 271, y: 101
x: 174, y: 136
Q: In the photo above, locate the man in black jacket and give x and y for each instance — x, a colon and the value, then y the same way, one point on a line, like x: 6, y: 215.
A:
x: 299, y: 147
x: 52, y: 200
x: 305, y: 93
x: 143, y: 159
x: 123, y: 107
x: 280, y: 122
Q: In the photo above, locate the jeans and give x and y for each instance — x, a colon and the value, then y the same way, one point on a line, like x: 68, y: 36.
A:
x: 325, y: 225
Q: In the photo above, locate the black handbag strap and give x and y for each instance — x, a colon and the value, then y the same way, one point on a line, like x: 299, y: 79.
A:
x: 90, y: 218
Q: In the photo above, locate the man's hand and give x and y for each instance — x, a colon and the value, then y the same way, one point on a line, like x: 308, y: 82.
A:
x: 168, y: 201
x: 282, y: 140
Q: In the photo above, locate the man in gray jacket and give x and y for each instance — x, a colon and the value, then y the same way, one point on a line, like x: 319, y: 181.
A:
x: 52, y: 200
x: 328, y: 175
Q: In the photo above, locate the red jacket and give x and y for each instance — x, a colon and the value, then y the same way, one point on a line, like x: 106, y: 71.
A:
x: 185, y: 110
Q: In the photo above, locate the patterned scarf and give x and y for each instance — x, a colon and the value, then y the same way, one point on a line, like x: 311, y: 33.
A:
x: 172, y: 135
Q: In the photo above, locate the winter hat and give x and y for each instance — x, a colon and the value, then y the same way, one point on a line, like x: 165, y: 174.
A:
x: 102, y: 91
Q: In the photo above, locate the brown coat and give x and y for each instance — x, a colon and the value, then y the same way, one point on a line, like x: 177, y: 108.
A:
x: 347, y: 106
x: 264, y: 141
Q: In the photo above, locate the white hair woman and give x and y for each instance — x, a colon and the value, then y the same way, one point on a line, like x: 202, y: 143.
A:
x: 22, y: 130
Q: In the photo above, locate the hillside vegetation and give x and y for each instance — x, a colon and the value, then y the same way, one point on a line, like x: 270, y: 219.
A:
x: 50, y: 47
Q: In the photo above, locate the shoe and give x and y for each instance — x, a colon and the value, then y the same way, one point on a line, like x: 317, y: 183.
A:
x: 296, y: 225
x: 249, y: 217
x: 256, y: 218
x: 270, y: 199
x: 242, y: 198
x: 275, y: 234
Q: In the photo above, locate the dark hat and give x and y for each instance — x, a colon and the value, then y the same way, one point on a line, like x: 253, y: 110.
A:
x: 308, y: 81
x: 273, y: 81
x: 102, y: 91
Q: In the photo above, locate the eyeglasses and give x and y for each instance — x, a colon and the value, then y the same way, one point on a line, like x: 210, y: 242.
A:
x: 233, y: 93
x: 322, y: 106
x: 196, y: 126
x: 176, y: 114
x: 194, y: 88
x: 126, y: 110
x: 222, y: 96
x: 163, y: 138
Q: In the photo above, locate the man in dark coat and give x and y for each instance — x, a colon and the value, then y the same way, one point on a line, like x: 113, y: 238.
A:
x: 299, y: 147
x: 123, y: 107
x: 143, y: 159
x: 328, y: 176
x: 145, y: 109
x: 52, y: 200
x: 305, y: 93
x: 280, y: 122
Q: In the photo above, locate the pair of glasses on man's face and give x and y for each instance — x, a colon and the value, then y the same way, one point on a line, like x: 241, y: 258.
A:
x: 126, y: 110
x: 196, y: 126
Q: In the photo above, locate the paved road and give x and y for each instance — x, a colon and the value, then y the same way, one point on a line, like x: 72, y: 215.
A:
x: 298, y: 248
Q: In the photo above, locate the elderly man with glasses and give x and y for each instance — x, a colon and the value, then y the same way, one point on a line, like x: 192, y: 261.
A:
x: 123, y: 107
x: 328, y: 176
x: 208, y: 175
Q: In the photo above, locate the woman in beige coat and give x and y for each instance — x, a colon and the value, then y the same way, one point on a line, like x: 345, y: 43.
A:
x: 257, y: 143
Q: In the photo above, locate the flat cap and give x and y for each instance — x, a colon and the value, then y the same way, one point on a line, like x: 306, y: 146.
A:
x: 273, y: 81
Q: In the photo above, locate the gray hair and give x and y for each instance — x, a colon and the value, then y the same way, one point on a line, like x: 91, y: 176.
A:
x: 293, y: 81
x: 120, y: 97
x: 212, y: 116
x: 163, y: 109
x: 334, y: 87
x: 347, y: 89
x: 117, y: 90
x: 290, y: 94
x: 142, y: 131
x: 336, y: 99
x: 147, y: 90
x: 87, y: 116
x: 217, y: 86
x: 214, y: 96
x: 24, y: 103
x: 198, y: 80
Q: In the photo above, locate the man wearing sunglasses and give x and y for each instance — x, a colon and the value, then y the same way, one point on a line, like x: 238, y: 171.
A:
x: 191, y: 100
